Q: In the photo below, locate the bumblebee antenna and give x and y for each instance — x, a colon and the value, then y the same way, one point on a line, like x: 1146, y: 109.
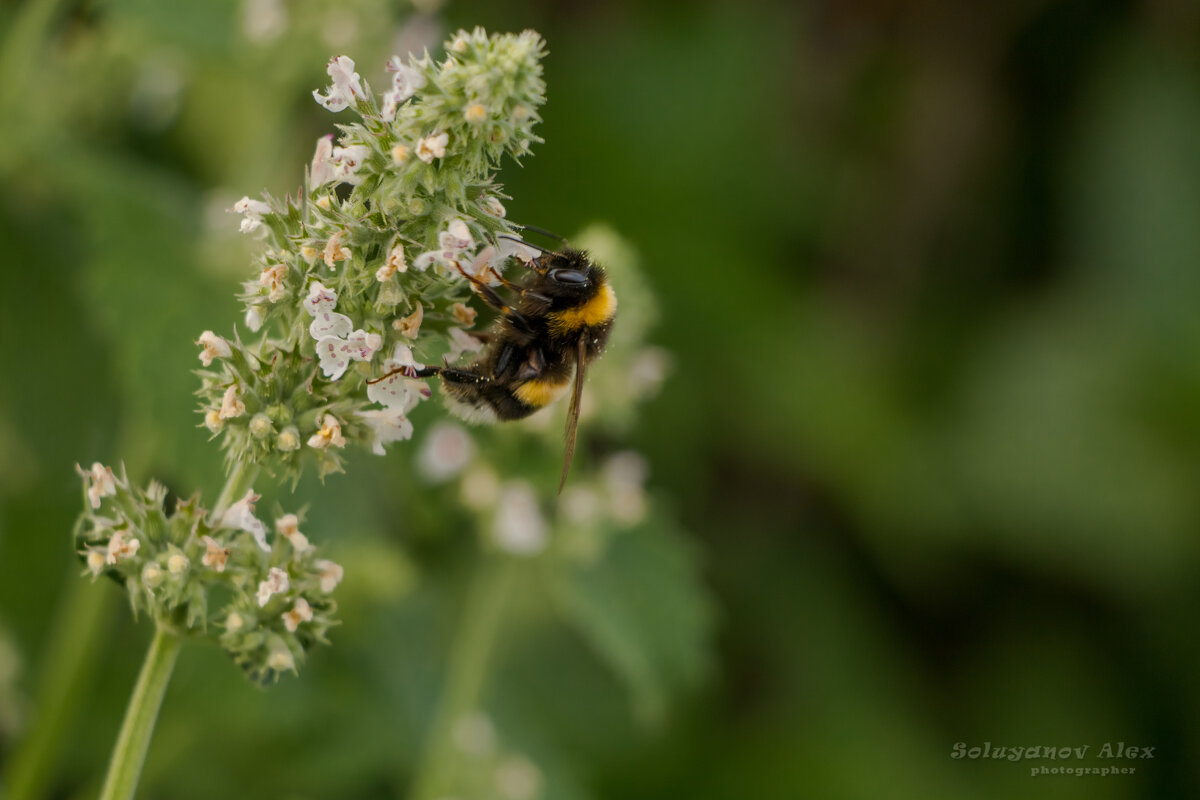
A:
x: 544, y: 232
x: 527, y: 244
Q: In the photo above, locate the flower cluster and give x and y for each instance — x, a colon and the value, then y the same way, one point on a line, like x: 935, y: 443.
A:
x: 274, y: 591
x: 367, y: 266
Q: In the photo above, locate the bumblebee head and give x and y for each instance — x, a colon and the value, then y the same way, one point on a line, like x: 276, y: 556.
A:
x: 569, y: 274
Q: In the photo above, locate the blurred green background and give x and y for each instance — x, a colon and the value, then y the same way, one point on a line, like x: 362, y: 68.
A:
x: 929, y: 274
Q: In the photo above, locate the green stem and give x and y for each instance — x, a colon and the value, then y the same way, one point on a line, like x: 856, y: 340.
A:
x: 468, y: 663
x: 134, y: 740
x: 240, y: 479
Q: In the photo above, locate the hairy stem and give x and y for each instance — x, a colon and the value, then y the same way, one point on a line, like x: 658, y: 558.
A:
x: 468, y: 663
x: 240, y: 479
x: 134, y: 740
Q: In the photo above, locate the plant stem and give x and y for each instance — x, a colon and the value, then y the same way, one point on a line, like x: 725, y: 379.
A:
x: 240, y: 479
x: 134, y: 740
x: 468, y: 662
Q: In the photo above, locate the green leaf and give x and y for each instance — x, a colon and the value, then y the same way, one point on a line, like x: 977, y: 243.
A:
x: 642, y: 607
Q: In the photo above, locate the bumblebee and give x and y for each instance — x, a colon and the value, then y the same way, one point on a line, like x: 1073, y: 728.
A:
x: 558, y: 321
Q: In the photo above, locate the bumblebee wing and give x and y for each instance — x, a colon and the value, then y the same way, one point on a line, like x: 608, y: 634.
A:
x: 573, y: 411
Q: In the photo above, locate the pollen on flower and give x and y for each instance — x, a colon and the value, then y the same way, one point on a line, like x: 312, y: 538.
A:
x: 330, y: 433
x: 335, y: 251
x: 400, y: 153
x: 309, y: 253
x: 260, y: 425
x: 272, y: 279
x: 464, y: 314
x: 288, y: 439
x: 432, y: 146
x: 331, y: 574
x: 121, y: 546
x: 323, y: 202
x: 288, y: 526
x: 475, y: 112
x: 213, y: 347
x: 177, y: 563
x: 276, y: 583
x: 231, y: 405
x: 96, y: 558
x: 213, y: 420
x: 152, y: 575
x: 409, y: 326
x: 394, y: 263
x: 301, y: 611
x: 215, y: 555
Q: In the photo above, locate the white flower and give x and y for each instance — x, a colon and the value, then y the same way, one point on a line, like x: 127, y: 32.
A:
x: 260, y: 425
x: 231, y: 405
x: 289, y: 527
x: 461, y: 342
x: 213, y: 347
x: 240, y: 515
x: 447, y: 449
x: 388, y: 425
x: 95, y: 560
x: 493, y: 206
x: 336, y: 251
x: 399, y: 391
x: 330, y: 323
x: 331, y: 574
x: 301, y: 612
x: 214, y: 556
x: 253, y: 211
x: 507, y: 248
x: 432, y: 146
x: 329, y: 434
x: 452, y: 242
x: 322, y: 168
x: 345, y: 87
x: 407, y: 81
x: 121, y: 546
x: 336, y: 354
x: 280, y: 657
x: 347, y: 161
x: 624, y: 475
x: 272, y: 279
x: 394, y: 263
x: 276, y: 583
x: 177, y: 563
x: 264, y: 20
x: 320, y: 298
x: 254, y: 318
x: 518, y: 527
x: 101, y: 483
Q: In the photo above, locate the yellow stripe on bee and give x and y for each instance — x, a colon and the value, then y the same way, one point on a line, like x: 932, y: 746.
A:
x: 598, y: 310
x: 538, y: 393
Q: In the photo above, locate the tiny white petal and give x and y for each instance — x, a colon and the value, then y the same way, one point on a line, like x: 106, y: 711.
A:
x: 330, y: 323
x: 320, y: 298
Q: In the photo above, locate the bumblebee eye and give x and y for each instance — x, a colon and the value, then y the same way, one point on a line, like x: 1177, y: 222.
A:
x: 570, y: 277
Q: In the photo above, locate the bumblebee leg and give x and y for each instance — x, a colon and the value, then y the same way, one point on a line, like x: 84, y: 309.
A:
x: 518, y: 320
